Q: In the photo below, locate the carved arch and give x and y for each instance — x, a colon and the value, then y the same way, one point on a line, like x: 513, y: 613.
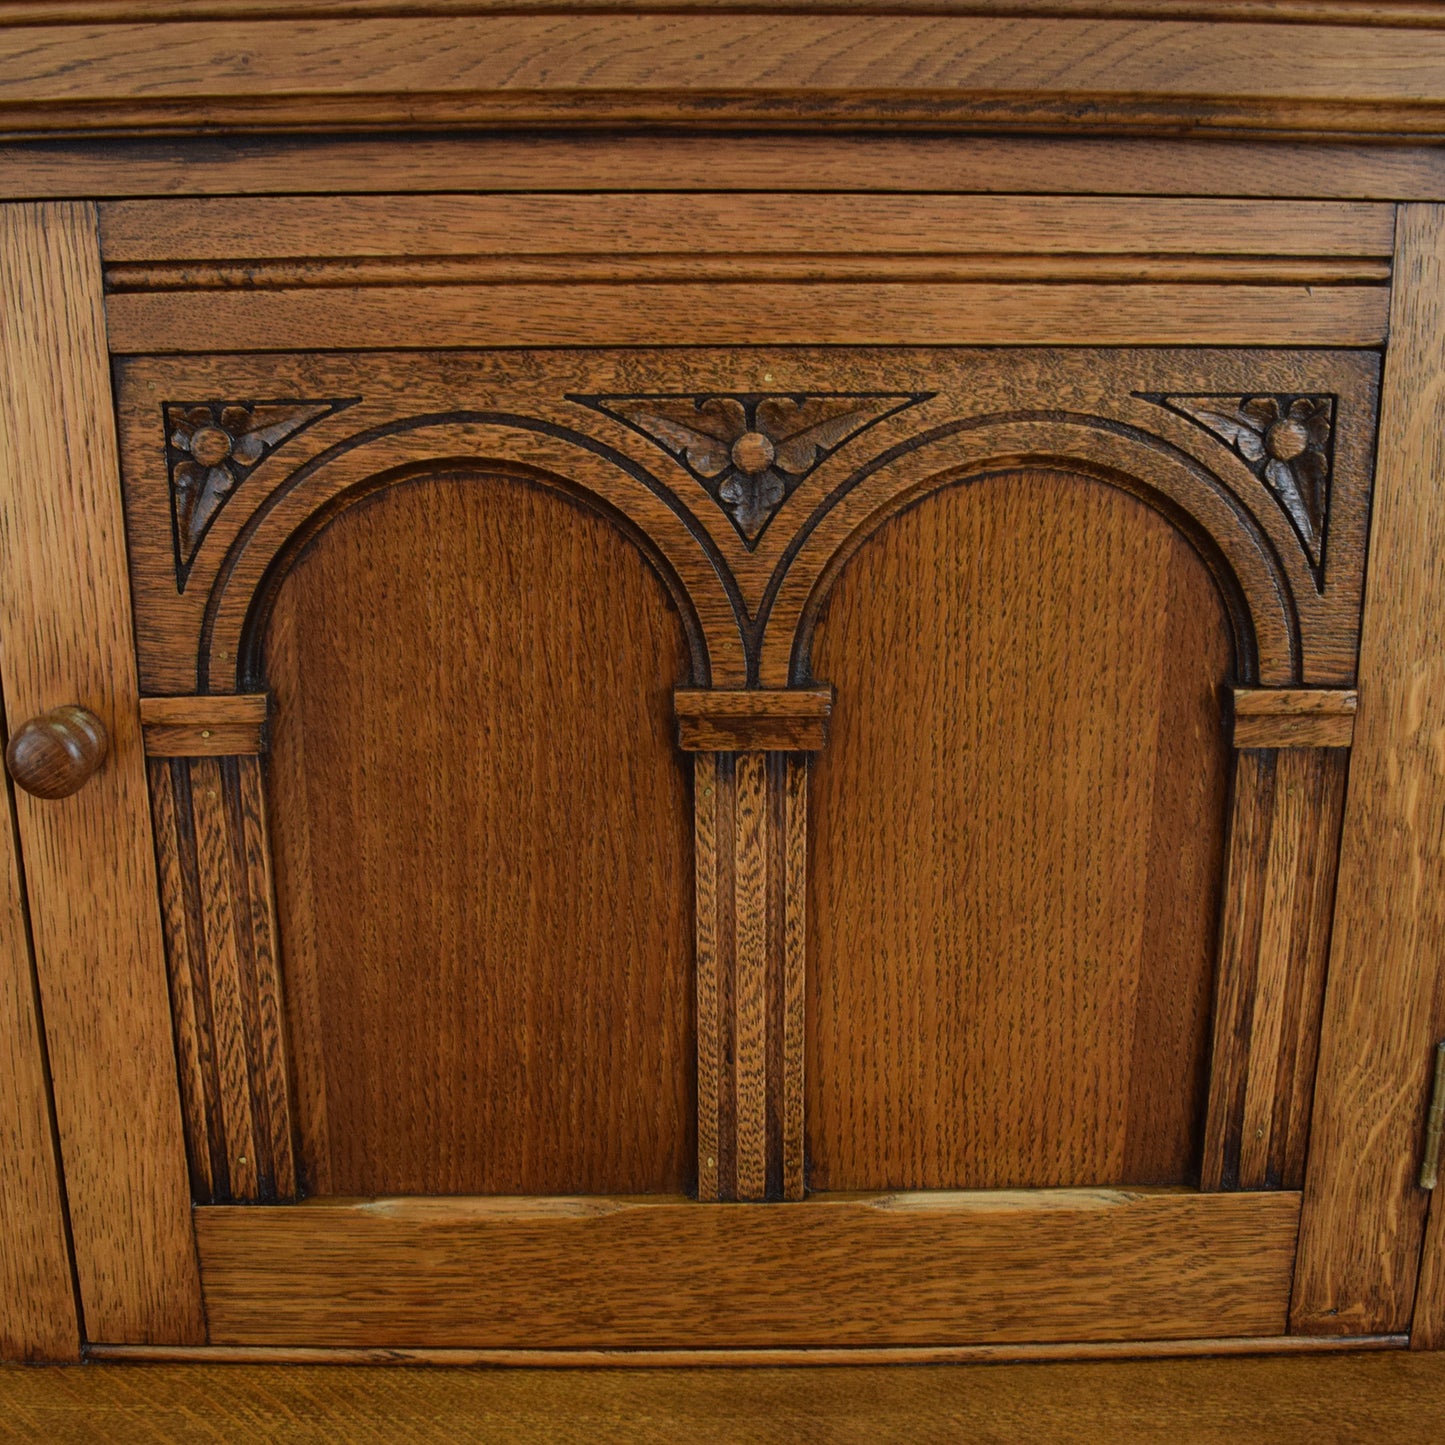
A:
x: 1239, y: 554
x: 532, y: 452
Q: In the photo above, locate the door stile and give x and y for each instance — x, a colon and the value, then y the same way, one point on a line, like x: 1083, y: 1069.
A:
x: 66, y: 627
x: 1364, y: 1213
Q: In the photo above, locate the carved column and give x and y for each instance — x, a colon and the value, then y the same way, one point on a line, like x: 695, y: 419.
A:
x: 751, y: 785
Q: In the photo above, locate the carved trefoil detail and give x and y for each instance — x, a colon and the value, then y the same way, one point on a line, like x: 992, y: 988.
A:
x: 212, y: 447
x: 1287, y: 440
x: 751, y: 450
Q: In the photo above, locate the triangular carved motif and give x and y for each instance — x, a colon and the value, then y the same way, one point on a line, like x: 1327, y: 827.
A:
x: 1287, y: 441
x: 212, y: 447
x: 751, y: 450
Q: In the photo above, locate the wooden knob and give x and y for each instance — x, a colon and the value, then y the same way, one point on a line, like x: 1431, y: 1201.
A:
x: 56, y: 754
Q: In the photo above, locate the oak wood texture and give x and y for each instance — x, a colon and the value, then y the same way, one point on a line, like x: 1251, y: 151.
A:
x: 480, y: 834
x: 199, y: 727
x: 1279, y: 886
x: 1016, y: 845
x: 749, y: 610
x: 1294, y: 717
x: 1372, y: 1394
x: 634, y: 162
x: 750, y: 830
x: 744, y: 313
x: 1364, y: 1215
x: 800, y: 69
x: 221, y: 944
x: 89, y: 866
x: 38, y: 1319
x: 750, y: 1359
x: 718, y: 720
x: 413, y: 229
x: 889, y: 1269
x: 55, y: 754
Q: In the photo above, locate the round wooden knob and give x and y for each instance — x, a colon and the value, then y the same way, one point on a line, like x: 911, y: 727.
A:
x: 56, y: 754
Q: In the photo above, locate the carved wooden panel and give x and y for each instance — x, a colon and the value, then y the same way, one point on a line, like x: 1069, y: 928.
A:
x: 221, y: 949
x: 714, y: 503
x: 1016, y: 845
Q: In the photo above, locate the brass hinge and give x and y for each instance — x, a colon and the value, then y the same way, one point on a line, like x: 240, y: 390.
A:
x: 1434, y: 1124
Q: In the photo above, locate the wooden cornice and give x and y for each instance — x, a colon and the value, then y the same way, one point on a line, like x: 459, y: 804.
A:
x: 344, y: 66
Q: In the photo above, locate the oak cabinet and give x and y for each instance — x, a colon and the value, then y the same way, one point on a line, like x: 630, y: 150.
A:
x: 703, y: 769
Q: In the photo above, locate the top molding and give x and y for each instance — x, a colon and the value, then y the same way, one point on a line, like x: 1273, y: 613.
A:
x: 343, y: 66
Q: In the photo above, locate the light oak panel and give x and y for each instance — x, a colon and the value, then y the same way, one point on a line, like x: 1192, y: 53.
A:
x: 892, y: 1269
x: 769, y: 69
x: 481, y: 839
x: 38, y: 1319
x: 1017, y: 839
x: 222, y: 229
x: 1275, y: 935
x: 742, y: 314
x: 89, y: 861
x: 1385, y: 1007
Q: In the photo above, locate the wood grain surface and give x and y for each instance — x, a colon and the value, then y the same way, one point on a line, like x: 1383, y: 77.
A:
x: 1016, y: 845
x: 641, y: 162
x: 771, y: 719
x: 989, y: 71
x: 1382, y: 1396
x: 38, y: 1319
x: 89, y: 862
x: 751, y: 851
x: 1385, y: 1006
x: 742, y: 314
x: 890, y: 1269
x: 393, y: 227
x: 1294, y: 717
x: 213, y: 856
x: 204, y: 727
x: 482, y: 849
x: 1284, y: 839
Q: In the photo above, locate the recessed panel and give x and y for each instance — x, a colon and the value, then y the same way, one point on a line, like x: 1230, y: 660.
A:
x: 483, y: 852
x: 1017, y: 834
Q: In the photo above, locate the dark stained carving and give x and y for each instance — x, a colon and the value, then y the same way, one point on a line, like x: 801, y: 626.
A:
x: 750, y: 450
x: 212, y: 447
x: 1287, y: 441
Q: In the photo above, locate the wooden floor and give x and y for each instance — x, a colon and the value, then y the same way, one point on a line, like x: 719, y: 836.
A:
x: 1376, y: 1397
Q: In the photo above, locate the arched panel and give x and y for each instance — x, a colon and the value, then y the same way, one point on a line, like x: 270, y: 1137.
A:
x: 487, y: 980
x: 1017, y: 836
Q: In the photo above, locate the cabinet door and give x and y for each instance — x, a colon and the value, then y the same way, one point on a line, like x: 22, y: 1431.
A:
x: 482, y: 991
x: 738, y: 847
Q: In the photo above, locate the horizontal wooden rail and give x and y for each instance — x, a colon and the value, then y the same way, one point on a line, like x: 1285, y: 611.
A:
x: 874, y: 1270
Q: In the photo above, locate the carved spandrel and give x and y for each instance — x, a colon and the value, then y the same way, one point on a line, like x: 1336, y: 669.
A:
x: 212, y: 447
x: 1287, y: 441
x: 751, y: 450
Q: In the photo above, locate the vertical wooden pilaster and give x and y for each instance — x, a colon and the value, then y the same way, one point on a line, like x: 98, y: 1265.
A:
x: 221, y: 950
x: 751, y: 860
x: 1279, y: 895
